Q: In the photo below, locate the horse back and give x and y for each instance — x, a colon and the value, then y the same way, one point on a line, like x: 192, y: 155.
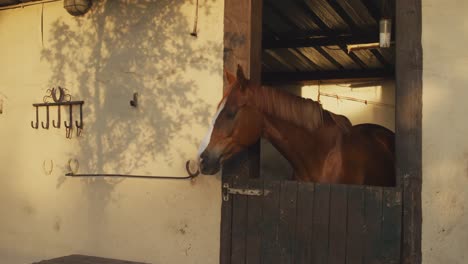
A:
x: 369, y: 155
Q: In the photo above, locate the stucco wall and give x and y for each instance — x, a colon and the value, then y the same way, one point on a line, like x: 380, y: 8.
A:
x: 445, y: 130
x: 118, y: 48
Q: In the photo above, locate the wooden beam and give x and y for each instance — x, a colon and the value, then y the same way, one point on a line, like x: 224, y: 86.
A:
x: 242, y: 45
x: 320, y: 41
x: 329, y: 57
x: 299, y: 77
x: 373, y: 9
x: 343, y: 14
x: 408, y: 124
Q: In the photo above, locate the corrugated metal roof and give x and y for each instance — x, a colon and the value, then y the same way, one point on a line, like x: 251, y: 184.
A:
x: 311, y: 36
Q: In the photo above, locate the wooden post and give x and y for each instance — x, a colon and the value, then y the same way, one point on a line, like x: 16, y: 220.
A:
x: 409, y: 124
x: 242, y: 45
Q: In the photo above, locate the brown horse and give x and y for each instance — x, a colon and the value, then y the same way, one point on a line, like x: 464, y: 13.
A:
x: 321, y: 146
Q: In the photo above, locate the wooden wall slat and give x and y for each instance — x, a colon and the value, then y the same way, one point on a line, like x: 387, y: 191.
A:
x: 254, y: 224
x: 270, y: 223
x: 356, y: 222
x: 287, y: 225
x: 373, y: 224
x: 320, y: 223
x: 391, y: 226
x: 304, y: 219
x: 338, y: 224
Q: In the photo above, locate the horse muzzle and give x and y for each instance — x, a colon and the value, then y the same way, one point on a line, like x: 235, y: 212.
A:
x: 209, y: 163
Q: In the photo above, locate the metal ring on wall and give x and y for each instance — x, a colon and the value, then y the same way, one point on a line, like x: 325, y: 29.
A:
x: 73, y: 165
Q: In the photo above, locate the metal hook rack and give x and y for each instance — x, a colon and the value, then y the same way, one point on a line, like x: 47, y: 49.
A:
x: 59, y: 97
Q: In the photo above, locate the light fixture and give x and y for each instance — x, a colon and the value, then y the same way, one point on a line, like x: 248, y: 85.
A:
x: 385, y: 32
x: 77, y: 7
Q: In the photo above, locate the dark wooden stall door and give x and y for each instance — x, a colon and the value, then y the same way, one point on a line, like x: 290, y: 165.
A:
x: 294, y: 222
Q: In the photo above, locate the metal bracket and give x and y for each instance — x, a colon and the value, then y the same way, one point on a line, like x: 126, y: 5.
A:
x: 250, y: 192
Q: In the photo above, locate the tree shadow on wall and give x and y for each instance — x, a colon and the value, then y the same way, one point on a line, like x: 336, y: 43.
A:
x: 118, y: 49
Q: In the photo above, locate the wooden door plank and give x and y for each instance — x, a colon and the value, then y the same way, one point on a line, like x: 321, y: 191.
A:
x: 321, y: 223
x: 226, y: 226
x: 373, y: 225
x: 391, y: 225
x: 356, y: 222
x: 304, y: 219
x: 270, y: 223
x: 287, y: 225
x: 338, y: 224
x: 239, y: 223
x: 254, y: 224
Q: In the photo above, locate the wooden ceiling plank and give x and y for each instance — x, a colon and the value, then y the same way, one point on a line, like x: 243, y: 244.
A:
x: 294, y: 77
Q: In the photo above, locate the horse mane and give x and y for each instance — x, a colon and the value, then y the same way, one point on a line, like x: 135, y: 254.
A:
x: 300, y: 111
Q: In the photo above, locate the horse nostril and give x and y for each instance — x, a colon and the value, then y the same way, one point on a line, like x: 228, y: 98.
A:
x: 203, y: 156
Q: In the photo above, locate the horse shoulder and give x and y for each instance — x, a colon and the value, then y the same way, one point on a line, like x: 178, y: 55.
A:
x: 332, y: 169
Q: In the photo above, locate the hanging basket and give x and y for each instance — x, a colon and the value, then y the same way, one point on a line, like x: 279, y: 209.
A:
x: 77, y: 7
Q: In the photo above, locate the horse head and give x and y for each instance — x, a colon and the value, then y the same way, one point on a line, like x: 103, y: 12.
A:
x: 236, y: 125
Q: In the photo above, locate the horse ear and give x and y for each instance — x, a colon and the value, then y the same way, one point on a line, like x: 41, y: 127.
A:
x: 229, y: 77
x: 241, y: 77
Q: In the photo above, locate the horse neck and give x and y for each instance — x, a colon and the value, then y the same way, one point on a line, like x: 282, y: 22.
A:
x: 295, y: 144
x: 299, y: 111
x: 305, y: 150
x: 302, y: 112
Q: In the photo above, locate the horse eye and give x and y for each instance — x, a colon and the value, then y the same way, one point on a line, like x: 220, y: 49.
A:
x: 230, y: 114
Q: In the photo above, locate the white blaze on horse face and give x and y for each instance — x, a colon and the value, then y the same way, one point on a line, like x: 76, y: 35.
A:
x: 206, y: 139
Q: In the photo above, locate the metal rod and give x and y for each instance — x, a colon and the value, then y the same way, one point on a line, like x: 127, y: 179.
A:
x: 27, y: 4
x: 62, y: 103
x: 71, y: 174
x: 339, y: 97
x: 194, y: 31
x: 191, y: 175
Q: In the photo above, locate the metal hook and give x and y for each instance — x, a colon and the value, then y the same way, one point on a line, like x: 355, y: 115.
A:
x: 46, y: 126
x: 35, y: 126
x: 58, y: 119
x: 68, y: 132
x: 134, y: 102
x: 194, y: 32
x: 70, y: 125
x: 79, y: 126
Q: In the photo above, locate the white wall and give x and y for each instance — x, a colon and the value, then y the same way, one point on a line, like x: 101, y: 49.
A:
x: 445, y: 130
x: 118, y: 48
